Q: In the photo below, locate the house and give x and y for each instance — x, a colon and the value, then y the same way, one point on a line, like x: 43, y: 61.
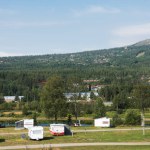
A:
x: 11, y: 98
x: 85, y: 95
x: 108, y: 103
x: 97, y: 87
x: 71, y: 95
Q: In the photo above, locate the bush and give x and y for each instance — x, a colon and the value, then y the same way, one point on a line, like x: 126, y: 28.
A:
x: 11, y: 114
x: 34, y: 116
x: 132, y: 117
x: 116, y: 120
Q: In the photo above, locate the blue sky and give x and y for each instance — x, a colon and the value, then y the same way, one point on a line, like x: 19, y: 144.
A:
x: 33, y: 27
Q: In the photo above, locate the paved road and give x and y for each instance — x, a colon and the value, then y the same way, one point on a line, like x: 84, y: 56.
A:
x: 92, y: 130
x: 72, y: 145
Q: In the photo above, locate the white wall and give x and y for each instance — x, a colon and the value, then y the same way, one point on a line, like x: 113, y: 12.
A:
x: 102, y: 122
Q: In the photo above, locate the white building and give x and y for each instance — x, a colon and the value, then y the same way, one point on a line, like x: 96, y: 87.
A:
x: 11, y: 98
x: 25, y: 123
x: 102, y: 122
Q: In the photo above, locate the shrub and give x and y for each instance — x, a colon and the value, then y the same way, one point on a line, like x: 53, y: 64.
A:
x: 116, y: 120
x: 25, y: 111
x: 132, y: 117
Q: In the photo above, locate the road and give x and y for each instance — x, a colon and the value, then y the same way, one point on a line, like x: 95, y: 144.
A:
x: 85, y: 130
x: 73, y: 145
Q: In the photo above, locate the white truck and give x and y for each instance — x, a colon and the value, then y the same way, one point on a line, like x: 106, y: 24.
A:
x: 36, y: 133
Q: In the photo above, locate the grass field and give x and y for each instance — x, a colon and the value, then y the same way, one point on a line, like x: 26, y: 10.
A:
x: 115, y: 136
x: 107, y: 148
x: 100, y: 148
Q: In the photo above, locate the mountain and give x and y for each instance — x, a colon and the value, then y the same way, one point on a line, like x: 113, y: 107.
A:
x: 143, y: 43
x: 136, y: 55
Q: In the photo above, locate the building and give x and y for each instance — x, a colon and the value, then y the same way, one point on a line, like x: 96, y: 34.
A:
x: 82, y: 95
x: 102, y: 122
x: 11, y: 98
x: 25, y: 123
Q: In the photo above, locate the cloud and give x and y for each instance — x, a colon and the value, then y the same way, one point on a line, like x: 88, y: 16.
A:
x: 28, y: 24
x: 134, y: 30
x: 93, y: 9
x: 6, y: 54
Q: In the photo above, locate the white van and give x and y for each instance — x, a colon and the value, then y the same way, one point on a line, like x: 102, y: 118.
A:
x: 36, y: 133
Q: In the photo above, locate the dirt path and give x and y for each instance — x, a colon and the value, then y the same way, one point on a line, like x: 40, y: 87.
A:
x: 72, y: 145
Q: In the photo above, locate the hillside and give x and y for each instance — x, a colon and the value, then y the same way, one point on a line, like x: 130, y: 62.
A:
x: 135, y: 55
x: 142, y: 43
x: 116, y: 66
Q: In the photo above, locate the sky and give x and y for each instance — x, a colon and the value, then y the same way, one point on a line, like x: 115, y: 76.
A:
x: 37, y: 27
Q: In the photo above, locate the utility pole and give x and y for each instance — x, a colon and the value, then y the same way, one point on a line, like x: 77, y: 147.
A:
x: 143, y: 122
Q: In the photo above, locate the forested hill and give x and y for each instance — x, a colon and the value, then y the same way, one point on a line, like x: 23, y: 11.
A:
x: 115, y: 57
x: 124, y: 66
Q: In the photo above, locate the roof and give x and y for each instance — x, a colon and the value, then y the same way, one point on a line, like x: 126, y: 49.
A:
x: 102, y: 118
x: 57, y: 124
x: 11, y: 98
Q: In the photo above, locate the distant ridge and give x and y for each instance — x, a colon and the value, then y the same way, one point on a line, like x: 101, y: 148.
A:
x: 142, y: 43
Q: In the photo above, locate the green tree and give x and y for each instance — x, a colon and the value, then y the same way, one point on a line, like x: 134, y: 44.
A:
x: 25, y: 111
x: 100, y: 110
x: 17, y: 98
x: 34, y: 116
x: 141, y: 97
x: 52, y: 98
x: 1, y: 99
x: 92, y: 95
x: 69, y: 119
x: 120, y: 101
x: 116, y: 120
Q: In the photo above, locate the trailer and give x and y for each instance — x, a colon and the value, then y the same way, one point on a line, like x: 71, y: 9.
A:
x: 102, y: 122
x: 59, y: 129
x: 25, y: 123
x: 36, y: 133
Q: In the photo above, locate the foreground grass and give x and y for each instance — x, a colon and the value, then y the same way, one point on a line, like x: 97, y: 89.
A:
x: 99, y: 148
x: 115, y: 136
x: 107, y: 148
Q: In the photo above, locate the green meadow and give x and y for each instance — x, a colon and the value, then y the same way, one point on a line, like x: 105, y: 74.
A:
x: 101, y: 136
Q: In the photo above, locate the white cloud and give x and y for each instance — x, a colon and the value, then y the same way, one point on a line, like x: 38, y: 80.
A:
x: 134, y: 30
x: 22, y: 24
x: 6, y: 54
x: 93, y: 9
